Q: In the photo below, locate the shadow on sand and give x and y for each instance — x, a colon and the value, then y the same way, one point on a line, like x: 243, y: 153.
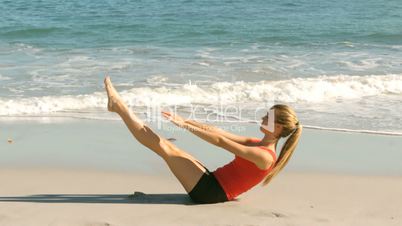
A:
x: 135, y: 198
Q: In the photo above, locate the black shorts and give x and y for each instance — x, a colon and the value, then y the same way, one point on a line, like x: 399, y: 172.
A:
x: 208, y: 190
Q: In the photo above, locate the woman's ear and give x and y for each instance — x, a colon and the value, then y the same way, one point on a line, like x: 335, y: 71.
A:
x: 278, y: 130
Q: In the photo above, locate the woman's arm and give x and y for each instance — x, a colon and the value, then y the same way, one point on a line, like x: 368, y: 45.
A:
x: 261, y: 159
x: 236, y: 138
x: 209, y: 136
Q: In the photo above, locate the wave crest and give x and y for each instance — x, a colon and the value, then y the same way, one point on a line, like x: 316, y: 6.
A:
x: 310, y: 90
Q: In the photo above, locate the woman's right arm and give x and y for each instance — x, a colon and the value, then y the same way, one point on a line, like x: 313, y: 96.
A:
x: 261, y: 159
x: 233, y: 137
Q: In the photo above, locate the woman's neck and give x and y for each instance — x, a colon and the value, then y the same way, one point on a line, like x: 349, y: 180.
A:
x: 269, y: 140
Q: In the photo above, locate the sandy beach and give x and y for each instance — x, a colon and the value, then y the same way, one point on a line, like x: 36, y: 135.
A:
x: 71, y: 197
x: 83, y: 172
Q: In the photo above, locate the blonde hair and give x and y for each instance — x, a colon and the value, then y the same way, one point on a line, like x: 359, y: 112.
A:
x: 285, y: 116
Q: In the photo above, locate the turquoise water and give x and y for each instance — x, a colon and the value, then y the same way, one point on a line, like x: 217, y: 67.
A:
x: 339, y: 63
x: 194, y: 24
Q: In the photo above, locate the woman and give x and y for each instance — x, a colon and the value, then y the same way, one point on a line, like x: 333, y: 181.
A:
x: 255, y: 160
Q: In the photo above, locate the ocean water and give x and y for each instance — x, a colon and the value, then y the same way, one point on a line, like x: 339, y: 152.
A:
x: 337, y: 63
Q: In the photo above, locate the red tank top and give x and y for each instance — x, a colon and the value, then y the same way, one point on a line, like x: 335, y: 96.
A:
x: 240, y: 175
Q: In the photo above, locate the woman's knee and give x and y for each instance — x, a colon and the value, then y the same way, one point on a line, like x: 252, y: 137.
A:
x: 168, y: 149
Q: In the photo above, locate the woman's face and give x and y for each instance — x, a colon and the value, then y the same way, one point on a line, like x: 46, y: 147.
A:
x: 278, y: 127
x: 264, y: 122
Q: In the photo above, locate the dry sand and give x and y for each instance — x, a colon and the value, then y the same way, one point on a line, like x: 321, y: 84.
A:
x: 76, y: 197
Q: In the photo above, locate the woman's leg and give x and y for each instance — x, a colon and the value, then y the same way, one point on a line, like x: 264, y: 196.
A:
x: 184, y: 166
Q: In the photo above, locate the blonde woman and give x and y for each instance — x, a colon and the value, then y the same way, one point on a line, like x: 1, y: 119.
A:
x: 255, y: 159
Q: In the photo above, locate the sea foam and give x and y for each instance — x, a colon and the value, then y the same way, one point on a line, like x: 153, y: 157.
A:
x: 309, y: 90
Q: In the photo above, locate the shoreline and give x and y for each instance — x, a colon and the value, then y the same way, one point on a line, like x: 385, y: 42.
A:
x: 108, y: 145
x: 66, y: 119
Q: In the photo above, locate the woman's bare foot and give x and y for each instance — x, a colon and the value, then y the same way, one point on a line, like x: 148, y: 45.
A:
x: 115, y: 103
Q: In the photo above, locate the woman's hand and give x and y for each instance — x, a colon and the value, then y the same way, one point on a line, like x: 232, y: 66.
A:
x: 176, y: 119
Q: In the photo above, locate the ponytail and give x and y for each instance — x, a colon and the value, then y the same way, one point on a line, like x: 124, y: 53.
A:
x: 286, y: 152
